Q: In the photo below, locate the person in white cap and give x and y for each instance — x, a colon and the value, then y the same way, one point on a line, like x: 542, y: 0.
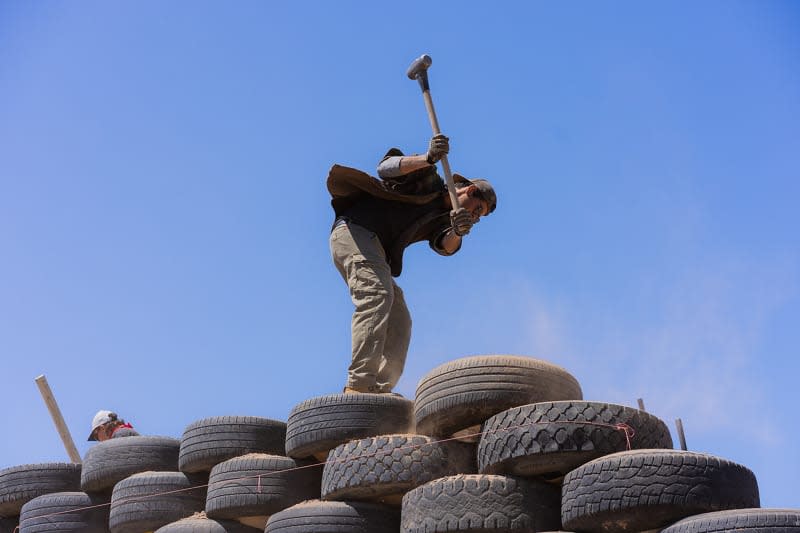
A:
x: 107, y: 425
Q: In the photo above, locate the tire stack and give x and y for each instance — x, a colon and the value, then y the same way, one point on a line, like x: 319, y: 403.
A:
x: 20, y: 485
x: 83, y: 500
x: 248, y: 473
x: 491, y: 444
x: 505, y: 444
x: 396, y: 465
x: 316, y: 431
x: 551, y: 460
x: 143, y: 484
x: 454, y: 401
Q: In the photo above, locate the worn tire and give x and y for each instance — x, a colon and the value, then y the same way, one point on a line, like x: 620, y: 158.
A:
x: 458, y: 396
x: 320, y: 424
x: 744, y: 520
x: 649, y: 489
x: 210, y: 441
x: 383, y: 468
x: 76, y: 512
x: 149, y: 500
x: 21, y: 484
x: 111, y: 461
x: 259, y: 485
x: 200, y: 524
x: 481, y: 504
x: 551, y: 438
x: 335, y: 517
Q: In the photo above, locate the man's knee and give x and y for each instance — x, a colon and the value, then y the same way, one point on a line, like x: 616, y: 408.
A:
x: 373, y: 299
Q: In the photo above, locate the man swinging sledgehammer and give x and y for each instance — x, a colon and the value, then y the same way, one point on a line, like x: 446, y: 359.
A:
x: 376, y: 219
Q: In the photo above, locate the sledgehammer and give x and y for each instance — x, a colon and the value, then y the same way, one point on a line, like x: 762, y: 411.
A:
x: 419, y: 71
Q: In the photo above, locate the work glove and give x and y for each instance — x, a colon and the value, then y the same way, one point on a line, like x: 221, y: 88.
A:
x: 437, y: 148
x: 461, y: 221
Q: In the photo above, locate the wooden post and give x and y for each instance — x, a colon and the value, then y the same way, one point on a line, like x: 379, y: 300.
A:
x: 681, y: 436
x: 641, y: 404
x: 58, y: 420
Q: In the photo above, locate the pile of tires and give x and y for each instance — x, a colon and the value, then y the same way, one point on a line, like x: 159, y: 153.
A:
x: 217, y: 477
x: 22, y: 484
x: 455, y: 401
x: 489, y: 444
x: 396, y: 465
x: 499, y: 443
x: 249, y: 475
x: 342, y: 430
x: 547, y: 460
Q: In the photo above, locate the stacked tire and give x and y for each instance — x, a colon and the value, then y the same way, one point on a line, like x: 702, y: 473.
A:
x: 490, y: 444
x: 453, y: 402
x: 333, y: 429
x: 548, y: 459
x: 129, y: 473
x: 85, y: 501
x: 640, y: 490
x: 21, y: 485
x: 249, y: 475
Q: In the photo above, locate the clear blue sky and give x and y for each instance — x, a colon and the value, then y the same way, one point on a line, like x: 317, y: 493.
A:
x: 164, y: 217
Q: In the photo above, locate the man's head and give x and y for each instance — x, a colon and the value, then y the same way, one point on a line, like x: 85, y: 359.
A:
x: 476, y: 195
x: 103, y: 425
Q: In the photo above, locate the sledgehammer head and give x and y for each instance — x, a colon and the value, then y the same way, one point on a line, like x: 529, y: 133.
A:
x: 419, y: 70
x: 419, y: 66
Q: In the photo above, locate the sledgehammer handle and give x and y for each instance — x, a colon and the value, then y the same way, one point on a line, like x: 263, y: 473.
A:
x: 58, y: 420
x: 448, y: 176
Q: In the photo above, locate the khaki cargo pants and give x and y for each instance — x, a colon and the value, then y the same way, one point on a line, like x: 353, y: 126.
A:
x: 381, y: 325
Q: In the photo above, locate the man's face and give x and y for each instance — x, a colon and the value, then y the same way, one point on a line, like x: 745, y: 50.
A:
x: 471, y: 200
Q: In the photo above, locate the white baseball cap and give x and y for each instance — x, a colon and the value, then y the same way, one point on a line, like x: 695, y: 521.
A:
x: 102, y: 417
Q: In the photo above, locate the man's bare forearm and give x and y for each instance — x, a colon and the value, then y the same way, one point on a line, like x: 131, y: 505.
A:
x: 410, y: 163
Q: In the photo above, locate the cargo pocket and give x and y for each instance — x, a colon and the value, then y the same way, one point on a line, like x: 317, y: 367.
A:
x: 367, y: 278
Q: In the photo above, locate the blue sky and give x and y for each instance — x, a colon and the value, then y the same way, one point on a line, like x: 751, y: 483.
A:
x: 164, y: 217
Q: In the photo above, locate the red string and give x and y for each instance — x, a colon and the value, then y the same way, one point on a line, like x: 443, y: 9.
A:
x: 629, y: 433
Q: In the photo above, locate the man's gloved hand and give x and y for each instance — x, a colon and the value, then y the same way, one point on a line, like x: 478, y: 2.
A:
x: 461, y: 221
x: 437, y: 148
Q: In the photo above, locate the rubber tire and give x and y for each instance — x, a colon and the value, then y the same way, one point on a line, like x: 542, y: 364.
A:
x: 200, y: 524
x: 81, y: 513
x: 335, y: 517
x: 465, y: 392
x: 235, y: 489
x: 146, y: 501
x: 745, y: 520
x: 382, y: 469
x: 481, y: 503
x: 111, y: 461
x: 551, y: 438
x: 21, y: 484
x: 650, y: 489
x: 121, y: 433
x: 210, y: 441
x: 320, y: 424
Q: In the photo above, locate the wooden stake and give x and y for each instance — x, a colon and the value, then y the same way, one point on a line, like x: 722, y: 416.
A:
x: 58, y: 420
x: 641, y: 404
x: 681, y: 435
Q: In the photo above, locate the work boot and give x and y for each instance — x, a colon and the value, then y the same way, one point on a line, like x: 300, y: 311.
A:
x: 348, y: 390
